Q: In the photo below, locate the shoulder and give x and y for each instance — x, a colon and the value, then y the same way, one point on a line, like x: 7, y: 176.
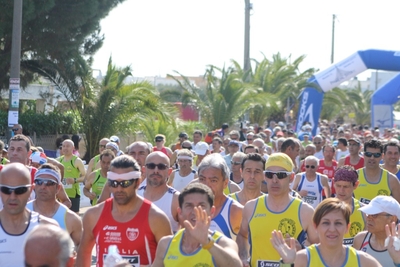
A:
x: 301, y: 258
x: 236, y: 206
x: 226, y: 242
x: 358, y: 239
x: 92, y: 215
x: 366, y: 259
x: 46, y: 220
x: 306, y: 211
x: 155, y: 213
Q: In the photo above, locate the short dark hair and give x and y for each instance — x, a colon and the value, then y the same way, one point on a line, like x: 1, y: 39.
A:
x: 107, y: 153
x: 254, y: 157
x: 225, y: 126
x: 391, y: 144
x: 49, y: 166
x: 373, y: 143
x: 252, y: 146
x: 342, y: 140
x: 289, y: 142
x: 21, y: 137
x: 328, y: 145
x: 124, y: 162
x: 217, y: 139
x: 198, y: 132
x: 196, y: 188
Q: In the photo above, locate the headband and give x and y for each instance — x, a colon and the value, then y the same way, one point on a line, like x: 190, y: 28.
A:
x: 185, y: 157
x: 346, y: 175
x: 124, y: 176
x: 50, y: 172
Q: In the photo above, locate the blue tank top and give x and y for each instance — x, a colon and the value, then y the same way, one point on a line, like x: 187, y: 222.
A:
x: 59, y: 216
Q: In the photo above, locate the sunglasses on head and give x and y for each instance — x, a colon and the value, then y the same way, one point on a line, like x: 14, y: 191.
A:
x: 310, y: 166
x: 370, y: 154
x: 123, y: 184
x: 160, y: 166
x: 46, y: 182
x: 159, y: 139
x: 279, y: 174
x: 18, y: 190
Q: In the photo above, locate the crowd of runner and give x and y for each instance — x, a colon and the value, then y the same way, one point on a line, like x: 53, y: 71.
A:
x: 231, y: 197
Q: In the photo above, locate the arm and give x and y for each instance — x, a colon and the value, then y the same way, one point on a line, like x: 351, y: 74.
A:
x: 340, y: 162
x: 159, y: 223
x: 81, y: 167
x: 105, y: 193
x: 58, y: 164
x: 225, y: 253
x: 169, y: 151
x: 173, y: 158
x: 88, y: 186
x: 161, y: 250
x: 358, y: 239
x: 88, y: 240
x: 325, y: 184
x: 236, y: 216
x: 306, y: 215
x: 62, y: 196
x: 74, y: 227
x: 89, y: 169
x: 394, y: 186
x: 171, y: 178
x: 241, y: 239
x: 296, y: 181
x: 174, y: 206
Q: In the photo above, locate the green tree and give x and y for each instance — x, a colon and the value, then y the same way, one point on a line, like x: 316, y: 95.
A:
x: 52, y: 30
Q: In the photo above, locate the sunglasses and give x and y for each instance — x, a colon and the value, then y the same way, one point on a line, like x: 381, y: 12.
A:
x: 317, y: 143
x: 123, y: 184
x: 279, y: 174
x: 236, y: 162
x: 377, y: 215
x: 159, y: 140
x: 15, y: 129
x: 102, y: 146
x: 160, y: 166
x: 249, y: 139
x: 188, y: 147
x: 370, y: 154
x: 18, y: 190
x: 310, y: 166
x: 46, y: 182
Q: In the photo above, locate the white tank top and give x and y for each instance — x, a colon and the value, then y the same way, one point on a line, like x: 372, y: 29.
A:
x: 181, y: 182
x: 164, y: 204
x: 12, y: 246
x: 314, y: 189
x: 221, y: 222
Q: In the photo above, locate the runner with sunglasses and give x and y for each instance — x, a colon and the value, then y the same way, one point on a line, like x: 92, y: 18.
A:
x: 156, y: 189
x: 47, y: 183
x: 16, y: 220
x: 277, y: 210
x: 127, y: 220
x: 309, y: 184
x: 373, y: 179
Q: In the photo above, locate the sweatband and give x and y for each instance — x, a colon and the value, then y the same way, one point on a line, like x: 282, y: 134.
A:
x: 396, y: 242
x: 345, y: 175
x: 124, y: 176
x: 185, y: 157
x: 50, y: 172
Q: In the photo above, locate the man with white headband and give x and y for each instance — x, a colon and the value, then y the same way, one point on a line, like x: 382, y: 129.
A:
x: 127, y: 220
x: 156, y: 190
x: 181, y: 177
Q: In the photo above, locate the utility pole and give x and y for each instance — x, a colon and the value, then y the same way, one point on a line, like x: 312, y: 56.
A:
x: 333, y: 38
x: 248, y: 7
x: 13, y: 100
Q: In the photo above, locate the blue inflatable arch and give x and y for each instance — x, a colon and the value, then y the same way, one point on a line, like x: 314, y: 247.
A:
x: 311, y: 99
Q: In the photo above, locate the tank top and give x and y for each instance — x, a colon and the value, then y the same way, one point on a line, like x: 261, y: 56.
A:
x: 314, y: 189
x: 135, y: 240
x: 181, y: 182
x: 97, y: 186
x: 60, y: 216
x: 221, y: 221
x: 174, y: 255
x: 241, y: 184
x: 366, y: 191
x: 264, y: 221
x: 315, y: 258
x: 96, y: 159
x: 380, y: 255
x: 164, y: 204
x: 359, y: 165
x: 12, y: 246
x: 70, y: 171
x: 303, y: 166
x: 357, y: 223
x: 234, y: 196
x: 328, y: 171
x: 227, y: 189
x: 163, y: 150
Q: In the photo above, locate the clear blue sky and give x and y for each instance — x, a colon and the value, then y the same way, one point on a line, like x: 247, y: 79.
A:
x: 156, y: 37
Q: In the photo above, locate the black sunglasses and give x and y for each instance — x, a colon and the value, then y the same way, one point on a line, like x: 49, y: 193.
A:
x: 188, y: 147
x: 160, y: 166
x: 159, y: 139
x: 310, y: 166
x: 279, y: 174
x: 236, y: 162
x: 46, y: 182
x: 123, y: 184
x: 370, y: 154
x: 18, y: 190
x: 15, y: 129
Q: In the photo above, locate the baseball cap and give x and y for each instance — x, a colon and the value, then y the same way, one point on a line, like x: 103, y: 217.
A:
x: 233, y: 143
x: 5, y: 149
x: 113, y: 145
x: 280, y: 160
x: 38, y: 157
x: 382, y: 204
x: 355, y: 139
x: 201, y: 148
x: 183, y: 135
x: 114, y: 138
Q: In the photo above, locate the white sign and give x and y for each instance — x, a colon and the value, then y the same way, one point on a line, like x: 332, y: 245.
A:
x: 14, y: 98
x: 14, y: 83
x: 12, y: 118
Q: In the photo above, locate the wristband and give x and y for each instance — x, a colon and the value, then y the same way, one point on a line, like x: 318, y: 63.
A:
x: 282, y: 264
x: 210, y: 243
x: 74, y: 180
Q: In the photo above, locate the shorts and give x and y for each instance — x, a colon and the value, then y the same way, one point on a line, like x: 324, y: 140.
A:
x: 76, y: 201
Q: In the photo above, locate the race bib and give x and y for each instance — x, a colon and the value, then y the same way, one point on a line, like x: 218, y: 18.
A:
x: 262, y: 263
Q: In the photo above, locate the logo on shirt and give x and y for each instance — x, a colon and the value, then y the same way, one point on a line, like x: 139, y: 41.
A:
x: 172, y: 257
x: 355, y: 227
x: 107, y: 227
x: 260, y: 215
x: 383, y: 192
x: 132, y: 233
x: 287, y: 226
x: 202, y: 265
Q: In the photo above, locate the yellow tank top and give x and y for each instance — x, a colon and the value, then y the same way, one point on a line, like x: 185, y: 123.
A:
x: 264, y: 221
x: 234, y: 196
x: 227, y: 189
x: 314, y: 258
x: 366, y: 191
x: 357, y: 224
x: 175, y: 257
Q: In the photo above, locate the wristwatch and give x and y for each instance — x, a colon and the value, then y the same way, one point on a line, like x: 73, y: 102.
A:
x: 286, y: 264
x: 210, y: 243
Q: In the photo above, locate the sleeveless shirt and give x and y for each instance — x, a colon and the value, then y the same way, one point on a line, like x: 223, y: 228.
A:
x: 135, y: 241
x: 180, y: 182
x: 221, y: 221
x: 359, y: 165
x: 70, y: 171
x: 60, y: 215
x: 328, y: 171
x: 314, y: 189
x: 163, y: 150
x: 357, y: 223
x: 98, y: 185
x: 366, y: 191
x: 315, y: 258
x: 380, y: 255
x: 174, y: 255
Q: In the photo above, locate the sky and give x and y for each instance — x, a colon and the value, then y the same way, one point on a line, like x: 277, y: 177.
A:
x: 158, y: 37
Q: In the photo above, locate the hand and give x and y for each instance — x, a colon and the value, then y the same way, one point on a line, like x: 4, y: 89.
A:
x: 200, y: 230
x: 297, y: 243
x: 245, y: 263
x: 69, y: 180
x: 391, y: 233
x: 303, y: 193
x: 288, y: 254
x: 92, y: 196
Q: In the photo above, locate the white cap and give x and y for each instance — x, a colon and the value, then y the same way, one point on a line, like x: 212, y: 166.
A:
x: 382, y: 204
x: 114, y: 138
x: 201, y: 148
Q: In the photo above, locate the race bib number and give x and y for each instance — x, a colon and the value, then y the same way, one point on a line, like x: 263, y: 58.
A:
x: 65, y: 185
x: 310, y: 199
x: 348, y: 241
x: 261, y: 263
x: 365, y: 200
x: 134, y: 260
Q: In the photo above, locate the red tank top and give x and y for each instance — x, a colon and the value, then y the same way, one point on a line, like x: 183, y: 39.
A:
x: 135, y: 240
x: 163, y: 150
x: 328, y: 171
x: 357, y: 166
x: 303, y: 166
